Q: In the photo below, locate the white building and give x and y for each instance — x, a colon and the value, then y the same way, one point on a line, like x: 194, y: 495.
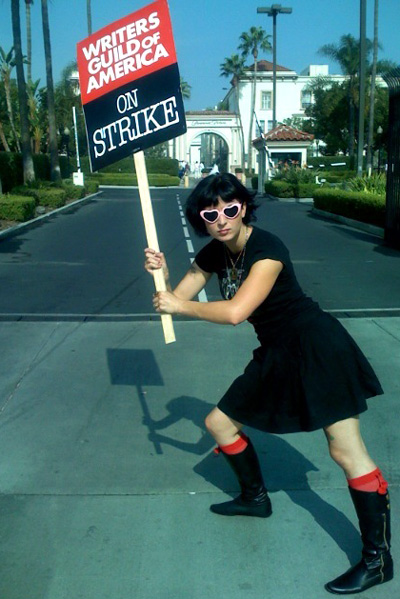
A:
x: 293, y: 94
x: 292, y: 98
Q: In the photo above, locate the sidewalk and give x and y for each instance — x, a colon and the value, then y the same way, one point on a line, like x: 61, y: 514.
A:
x: 107, y: 472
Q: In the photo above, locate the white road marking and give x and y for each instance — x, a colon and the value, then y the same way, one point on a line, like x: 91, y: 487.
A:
x: 202, y: 295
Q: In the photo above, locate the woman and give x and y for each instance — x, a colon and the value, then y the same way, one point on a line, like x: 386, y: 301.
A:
x: 307, y: 374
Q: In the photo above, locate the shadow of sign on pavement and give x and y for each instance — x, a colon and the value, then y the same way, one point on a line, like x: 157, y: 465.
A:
x: 136, y: 368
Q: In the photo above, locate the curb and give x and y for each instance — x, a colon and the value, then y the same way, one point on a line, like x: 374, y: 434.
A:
x: 137, y: 187
x: 355, y: 224
x: 11, y: 231
x: 343, y: 220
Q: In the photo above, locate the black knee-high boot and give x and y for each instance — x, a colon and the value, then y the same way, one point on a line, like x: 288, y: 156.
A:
x: 253, y: 500
x: 376, y: 565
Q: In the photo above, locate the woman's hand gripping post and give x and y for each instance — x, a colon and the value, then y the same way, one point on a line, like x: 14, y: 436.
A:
x: 164, y: 302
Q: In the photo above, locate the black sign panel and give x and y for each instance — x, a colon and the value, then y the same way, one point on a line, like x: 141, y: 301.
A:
x: 136, y: 116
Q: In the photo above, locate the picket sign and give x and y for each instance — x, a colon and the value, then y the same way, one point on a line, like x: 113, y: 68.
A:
x: 152, y: 239
x: 132, y: 100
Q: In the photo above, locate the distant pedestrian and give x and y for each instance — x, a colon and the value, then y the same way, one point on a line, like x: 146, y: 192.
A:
x: 307, y: 374
x: 215, y: 169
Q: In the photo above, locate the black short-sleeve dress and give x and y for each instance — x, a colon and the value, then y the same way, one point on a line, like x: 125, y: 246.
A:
x: 308, y: 371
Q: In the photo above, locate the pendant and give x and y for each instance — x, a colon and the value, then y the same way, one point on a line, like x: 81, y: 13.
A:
x: 233, y: 276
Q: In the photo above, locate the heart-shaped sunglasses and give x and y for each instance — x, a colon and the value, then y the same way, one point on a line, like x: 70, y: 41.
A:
x: 230, y: 211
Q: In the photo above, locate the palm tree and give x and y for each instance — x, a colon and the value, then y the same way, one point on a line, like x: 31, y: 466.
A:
x: 4, y: 141
x: 28, y: 38
x: 7, y: 63
x: 55, y: 172
x: 234, y: 67
x: 347, y: 55
x: 372, y: 94
x: 27, y: 161
x: 185, y: 89
x: 35, y: 119
x: 89, y: 16
x: 251, y: 43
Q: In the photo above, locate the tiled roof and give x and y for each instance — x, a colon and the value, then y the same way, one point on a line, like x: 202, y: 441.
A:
x: 266, y: 65
x: 286, y: 133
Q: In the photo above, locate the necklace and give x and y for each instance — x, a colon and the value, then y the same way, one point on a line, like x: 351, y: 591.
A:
x: 234, y: 275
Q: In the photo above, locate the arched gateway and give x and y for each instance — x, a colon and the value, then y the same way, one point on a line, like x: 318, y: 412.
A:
x: 211, y: 135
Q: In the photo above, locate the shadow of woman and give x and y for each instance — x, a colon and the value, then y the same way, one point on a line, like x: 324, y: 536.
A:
x: 284, y: 466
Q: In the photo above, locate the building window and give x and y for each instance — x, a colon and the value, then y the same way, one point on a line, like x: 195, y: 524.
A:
x: 260, y: 128
x: 270, y: 125
x: 266, y: 101
x: 306, y: 99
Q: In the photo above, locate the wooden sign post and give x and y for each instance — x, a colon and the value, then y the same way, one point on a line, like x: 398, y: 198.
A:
x: 132, y: 100
x: 151, y: 235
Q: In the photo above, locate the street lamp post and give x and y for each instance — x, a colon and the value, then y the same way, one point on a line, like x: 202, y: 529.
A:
x: 273, y: 11
x: 362, y: 74
x: 379, y: 139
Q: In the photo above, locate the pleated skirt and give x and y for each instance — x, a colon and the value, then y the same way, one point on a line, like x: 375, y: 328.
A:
x: 306, y: 377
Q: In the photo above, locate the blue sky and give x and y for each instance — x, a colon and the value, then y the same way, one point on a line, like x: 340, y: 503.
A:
x: 207, y: 31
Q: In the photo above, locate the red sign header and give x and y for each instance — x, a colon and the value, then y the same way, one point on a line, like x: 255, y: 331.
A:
x: 125, y: 50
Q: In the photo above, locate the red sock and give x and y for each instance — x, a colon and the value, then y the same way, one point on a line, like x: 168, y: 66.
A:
x: 236, y: 447
x: 373, y: 482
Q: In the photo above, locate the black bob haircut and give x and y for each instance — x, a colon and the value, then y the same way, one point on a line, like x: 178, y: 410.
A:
x: 207, y: 193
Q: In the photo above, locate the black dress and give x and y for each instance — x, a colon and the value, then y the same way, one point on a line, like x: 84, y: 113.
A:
x: 308, y: 371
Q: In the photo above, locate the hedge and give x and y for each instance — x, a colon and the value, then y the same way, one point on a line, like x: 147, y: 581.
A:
x: 11, y: 170
x: 17, y: 208
x: 305, y: 190
x: 364, y: 207
x: 52, y: 197
x: 279, y: 189
x: 156, y: 180
x: 284, y: 189
x: 164, y: 166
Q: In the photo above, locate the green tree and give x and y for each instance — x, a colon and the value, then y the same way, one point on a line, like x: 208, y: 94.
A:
x: 186, y: 89
x: 66, y: 98
x: 7, y: 63
x: 27, y: 161
x: 53, y: 146
x: 233, y: 67
x: 35, y: 116
x: 328, y: 115
x: 251, y: 43
x: 347, y: 55
x: 3, y: 120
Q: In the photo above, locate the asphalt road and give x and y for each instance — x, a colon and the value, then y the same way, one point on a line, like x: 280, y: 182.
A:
x: 107, y: 472
x: 86, y: 261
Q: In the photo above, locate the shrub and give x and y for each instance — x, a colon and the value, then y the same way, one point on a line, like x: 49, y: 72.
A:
x: 364, y: 207
x: 279, y: 189
x: 164, y: 166
x: 305, y: 190
x: 19, y: 208
x: 91, y: 186
x: 73, y: 192
x: 295, y: 175
x: 127, y: 179
x: 25, y: 190
x: 374, y: 184
x: 52, y: 198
